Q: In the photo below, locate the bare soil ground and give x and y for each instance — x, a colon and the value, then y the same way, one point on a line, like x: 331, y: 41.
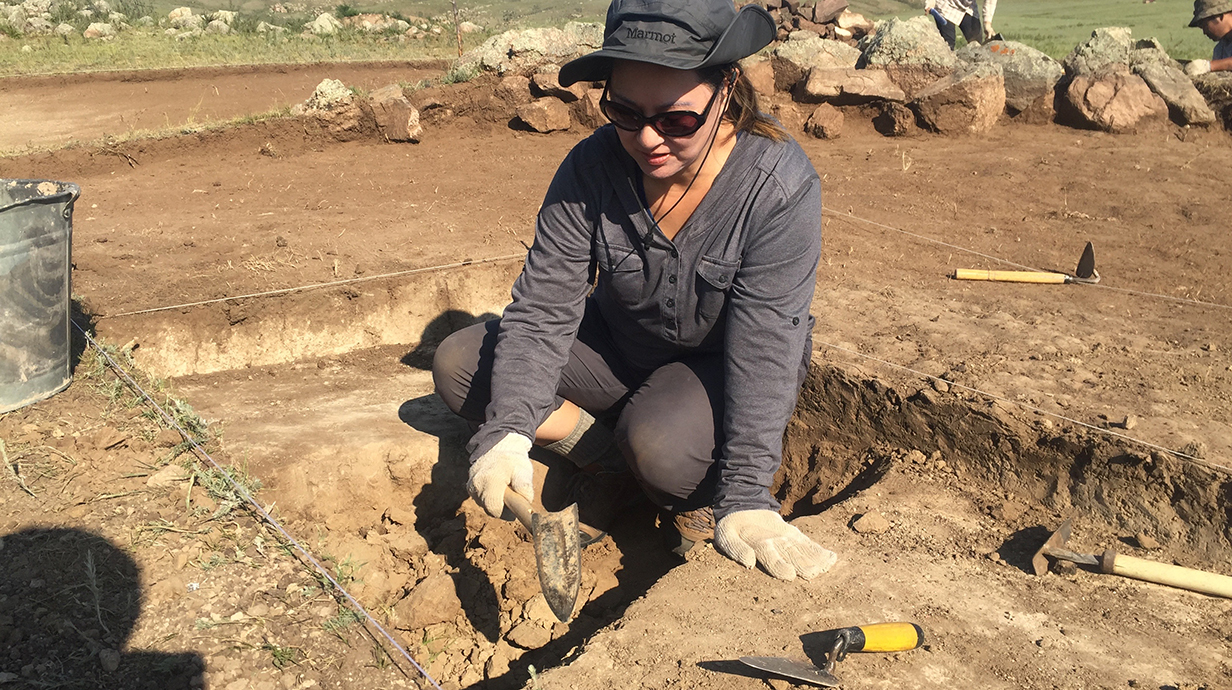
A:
x: 363, y: 462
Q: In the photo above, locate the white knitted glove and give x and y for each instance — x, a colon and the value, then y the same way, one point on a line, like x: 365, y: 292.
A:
x: 930, y: 5
x: 506, y: 464
x: 749, y: 537
x: 1197, y: 67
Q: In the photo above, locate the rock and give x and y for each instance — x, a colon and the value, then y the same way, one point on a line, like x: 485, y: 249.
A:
x: 760, y: 74
x: 1129, y: 422
x: 1148, y: 51
x: 1106, y: 47
x: 325, y: 24
x: 897, y: 120
x: 225, y: 16
x: 824, y: 11
x: 1064, y: 568
x: 1185, y: 104
x: 469, y: 27
x: 853, y: 22
x: 1146, y: 541
x: 1216, y: 88
x: 848, y: 86
x: 498, y: 664
x: 545, y: 115
x: 537, y: 609
x: 434, y: 600
x: 586, y: 109
x: 514, y: 89
x: 529, y: 635
x: 911, y: 51
x: 1111, y: 101
x: 266, y: 28
x: 871, y: 523
x: 406, y: 544
x: 168, y: 438
x: 99, y: 30
x: 218, y: 26
x: 1030, y: 75
x: 108, y: 438
x: 804, y: 51
x: 546, y: 83
x: 64, y: 30
x: 329, y: 95
x: 167, y: 476
x: 826, y: 122
x: 109, y: 659
x: 525, y: 50
x: 396, y: 118
x: 968, y: 102
x: 183, y: 19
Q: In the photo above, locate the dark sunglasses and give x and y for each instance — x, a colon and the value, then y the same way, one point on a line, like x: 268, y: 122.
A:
x: 673, y: 123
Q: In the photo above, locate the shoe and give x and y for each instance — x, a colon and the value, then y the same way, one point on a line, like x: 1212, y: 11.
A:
x: 690, y: 527
x: 601, y: 498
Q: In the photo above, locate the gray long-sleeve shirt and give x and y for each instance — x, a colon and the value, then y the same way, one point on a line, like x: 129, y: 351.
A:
x: 738, y: 278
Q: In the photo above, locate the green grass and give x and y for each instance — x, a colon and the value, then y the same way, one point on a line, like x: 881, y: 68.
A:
x: 1056, y: 26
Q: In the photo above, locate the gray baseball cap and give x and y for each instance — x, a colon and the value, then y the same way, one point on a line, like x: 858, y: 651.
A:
x: 1205, y: 9
x: 681, y: 34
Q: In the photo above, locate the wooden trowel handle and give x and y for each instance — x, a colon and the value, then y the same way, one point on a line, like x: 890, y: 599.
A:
x: 520, y: 507
x: 1010, y: 276
x: 1167, y: 574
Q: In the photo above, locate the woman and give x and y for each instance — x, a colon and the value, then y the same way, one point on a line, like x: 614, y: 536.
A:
x: 698, y: 220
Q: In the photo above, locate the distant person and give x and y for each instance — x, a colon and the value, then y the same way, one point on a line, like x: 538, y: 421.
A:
x: 962, y: 14
x: 1214, y: 17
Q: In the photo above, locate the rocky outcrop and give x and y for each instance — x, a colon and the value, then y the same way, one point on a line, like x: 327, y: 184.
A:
x: 1113, y: 101
x: 804, y: 51
x: 1030, y: 76
x: 967, y: 102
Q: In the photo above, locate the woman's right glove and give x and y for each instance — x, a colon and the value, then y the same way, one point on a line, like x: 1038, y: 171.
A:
x: 749, y: 537
x: 505, y: 464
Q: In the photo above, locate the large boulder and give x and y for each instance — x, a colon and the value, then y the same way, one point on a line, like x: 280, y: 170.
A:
x: 1149, y: 51
x: 1113, y: 101
x: 969, y: 101
x: 217, y: 26
x: 848, y: 86
x: 333, y: 105
x: 1030, y: 76
x: 182, y: 18
x: 911, y: 51
x: 396, y: 119
x: 545, y: 115
x: 760, y: 72
x: 1105, y: 48
x: 546, y: 82
x: 1185, y: 104
x: 522, y: 51
x: 805, y: 50
x: 325, y: 24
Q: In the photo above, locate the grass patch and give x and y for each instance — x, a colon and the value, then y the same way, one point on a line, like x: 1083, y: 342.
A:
x: 1056, y: 26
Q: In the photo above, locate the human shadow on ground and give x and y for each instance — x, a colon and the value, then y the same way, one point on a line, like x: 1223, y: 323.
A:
x: 69, y: 601
x: 1020, y: 546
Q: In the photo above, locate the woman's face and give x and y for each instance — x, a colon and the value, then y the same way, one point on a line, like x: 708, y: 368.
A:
x: 650, y: 90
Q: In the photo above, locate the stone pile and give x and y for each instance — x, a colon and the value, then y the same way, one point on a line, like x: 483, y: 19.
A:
x: 347, y: 115
x: 826, y: 18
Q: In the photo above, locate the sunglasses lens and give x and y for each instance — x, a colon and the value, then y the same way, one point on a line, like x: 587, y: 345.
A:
x: 680, y: 124
x: 621, y: 116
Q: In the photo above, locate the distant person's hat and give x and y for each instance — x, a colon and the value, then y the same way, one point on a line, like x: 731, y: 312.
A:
x: 681, y: 34
x: 1205, y: 9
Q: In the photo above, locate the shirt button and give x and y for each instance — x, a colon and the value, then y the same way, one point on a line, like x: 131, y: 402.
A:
x: 675, y: 254
x: 795, y: 321
x: 671, y: 279
x: 670, y: 302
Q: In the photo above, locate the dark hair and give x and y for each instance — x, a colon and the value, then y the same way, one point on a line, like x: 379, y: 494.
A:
x: 742, y: 109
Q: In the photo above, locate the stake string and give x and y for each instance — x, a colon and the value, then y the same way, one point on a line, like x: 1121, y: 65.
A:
x: 256, y: 506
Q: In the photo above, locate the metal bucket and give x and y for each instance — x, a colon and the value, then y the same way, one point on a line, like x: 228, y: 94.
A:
x: 36, y: 231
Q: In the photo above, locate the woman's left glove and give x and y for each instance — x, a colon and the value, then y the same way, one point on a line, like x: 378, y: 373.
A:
x: 506, y: 464
x: 749, y: 537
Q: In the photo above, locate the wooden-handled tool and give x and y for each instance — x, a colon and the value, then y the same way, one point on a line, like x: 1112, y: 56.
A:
x: 558, y: 551
x: 1085, y: 273
x: 878, y: 637
x: 1113, y: 563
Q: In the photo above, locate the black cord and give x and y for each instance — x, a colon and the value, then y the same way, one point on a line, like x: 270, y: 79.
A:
x: 714, y: 135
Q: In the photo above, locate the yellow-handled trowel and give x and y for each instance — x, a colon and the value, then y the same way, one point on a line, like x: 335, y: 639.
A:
x: 1085, y: 273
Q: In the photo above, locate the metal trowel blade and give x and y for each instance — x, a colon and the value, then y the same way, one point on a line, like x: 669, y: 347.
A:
x: 1086, y: 273
x: 558, y: 553
x: 790, y: 668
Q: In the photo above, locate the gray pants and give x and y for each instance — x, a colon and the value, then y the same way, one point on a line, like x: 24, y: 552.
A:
x: 667, y: 424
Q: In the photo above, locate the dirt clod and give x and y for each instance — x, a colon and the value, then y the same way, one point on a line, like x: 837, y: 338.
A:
x: 871, y: 523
